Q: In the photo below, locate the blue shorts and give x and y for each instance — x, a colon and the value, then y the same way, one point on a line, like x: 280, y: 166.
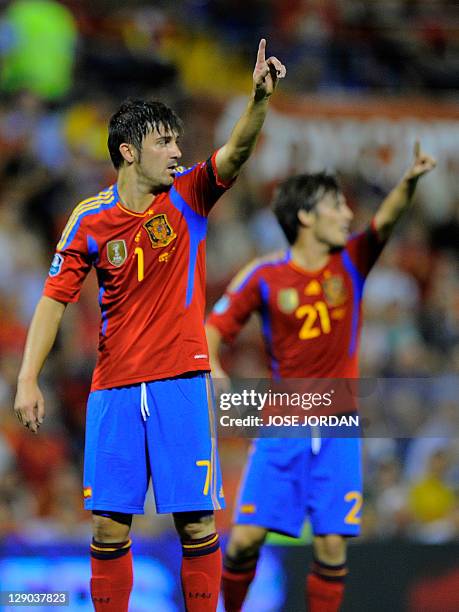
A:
x: 288, y: 479
x: 164, y: 429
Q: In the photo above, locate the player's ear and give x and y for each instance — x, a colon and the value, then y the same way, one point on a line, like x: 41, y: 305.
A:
x: 304, y: 218
x: 128, y: 152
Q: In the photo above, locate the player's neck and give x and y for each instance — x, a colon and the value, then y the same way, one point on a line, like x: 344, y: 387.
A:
x: 310, y: 254
x: 133, y: 195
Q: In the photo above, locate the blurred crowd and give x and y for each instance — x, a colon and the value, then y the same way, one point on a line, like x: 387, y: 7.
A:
x: 66, y: 66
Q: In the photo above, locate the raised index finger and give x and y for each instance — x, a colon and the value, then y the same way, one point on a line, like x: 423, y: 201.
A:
x: 417, y: 149
x: 261, y: 57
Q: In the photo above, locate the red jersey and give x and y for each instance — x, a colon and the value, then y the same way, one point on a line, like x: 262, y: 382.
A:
x: 151, y: 273
x: 311, y: 320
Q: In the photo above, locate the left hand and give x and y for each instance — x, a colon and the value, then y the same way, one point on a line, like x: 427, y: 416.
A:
x: 422, y: 163
x: 267, y: 73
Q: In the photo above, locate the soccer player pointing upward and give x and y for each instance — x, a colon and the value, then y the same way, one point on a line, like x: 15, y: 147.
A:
x: 309, y: 298
x: 149, y: 411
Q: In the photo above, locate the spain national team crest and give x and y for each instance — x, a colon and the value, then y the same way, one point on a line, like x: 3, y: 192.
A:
x: 334, y: 290
x: 116, y: 252
x: 160, y: 231
x: 288, y: 300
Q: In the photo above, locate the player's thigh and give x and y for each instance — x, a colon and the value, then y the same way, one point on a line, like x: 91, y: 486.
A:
x: 335, y: 495
x: 272, y: 492
x: 116, y: 471
x: 182, y: 444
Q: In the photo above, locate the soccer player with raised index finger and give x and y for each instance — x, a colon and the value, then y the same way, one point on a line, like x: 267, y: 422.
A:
x: 309, y: 299
x: 150, y: 411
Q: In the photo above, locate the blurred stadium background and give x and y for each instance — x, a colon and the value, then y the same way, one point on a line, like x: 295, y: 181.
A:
x: 364, y: 79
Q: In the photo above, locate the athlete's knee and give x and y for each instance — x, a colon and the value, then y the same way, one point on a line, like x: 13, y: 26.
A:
x: 194, y: 525
x: 330, y: 549
x: 111, y: 526
x: 245, y: 541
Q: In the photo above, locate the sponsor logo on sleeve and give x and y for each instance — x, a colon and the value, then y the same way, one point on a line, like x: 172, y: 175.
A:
x: 222, y: 305
x: 56, y: 264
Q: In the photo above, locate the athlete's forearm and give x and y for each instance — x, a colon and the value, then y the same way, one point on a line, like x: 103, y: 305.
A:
x: 40, y: 338
x: 214, y: 342
x: 393, y: 206
x: 243, y: 138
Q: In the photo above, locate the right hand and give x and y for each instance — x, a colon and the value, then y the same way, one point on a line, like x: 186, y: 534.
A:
x: 29, y: 405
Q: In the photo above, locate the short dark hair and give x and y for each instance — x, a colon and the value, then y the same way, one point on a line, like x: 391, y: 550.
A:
x: 300, y: 192
x: 134, y: 120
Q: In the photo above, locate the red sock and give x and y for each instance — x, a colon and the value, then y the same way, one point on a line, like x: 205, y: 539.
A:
x: 111, y: 581
x: 201, y: 573
x: 235, y: 586
x: 325, y: 587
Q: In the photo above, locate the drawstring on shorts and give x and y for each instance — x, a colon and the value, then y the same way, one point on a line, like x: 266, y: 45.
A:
x: 143, y: 402
x: 316, y: 442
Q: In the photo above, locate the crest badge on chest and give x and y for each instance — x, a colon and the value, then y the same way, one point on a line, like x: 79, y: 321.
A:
x: 160, y: 231
x: 288, y: 300
x: 116, y: 252
x: 334, y: 290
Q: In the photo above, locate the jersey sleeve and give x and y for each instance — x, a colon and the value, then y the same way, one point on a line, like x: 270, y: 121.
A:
x: 364, y: 249
x: 200, y: 186
x: 233, y: 309
x: 69, y: 267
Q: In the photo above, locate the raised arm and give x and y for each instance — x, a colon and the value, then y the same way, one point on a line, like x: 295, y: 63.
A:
x: 237, y: 150
x: 398, y: 200
x: 29, y: 403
